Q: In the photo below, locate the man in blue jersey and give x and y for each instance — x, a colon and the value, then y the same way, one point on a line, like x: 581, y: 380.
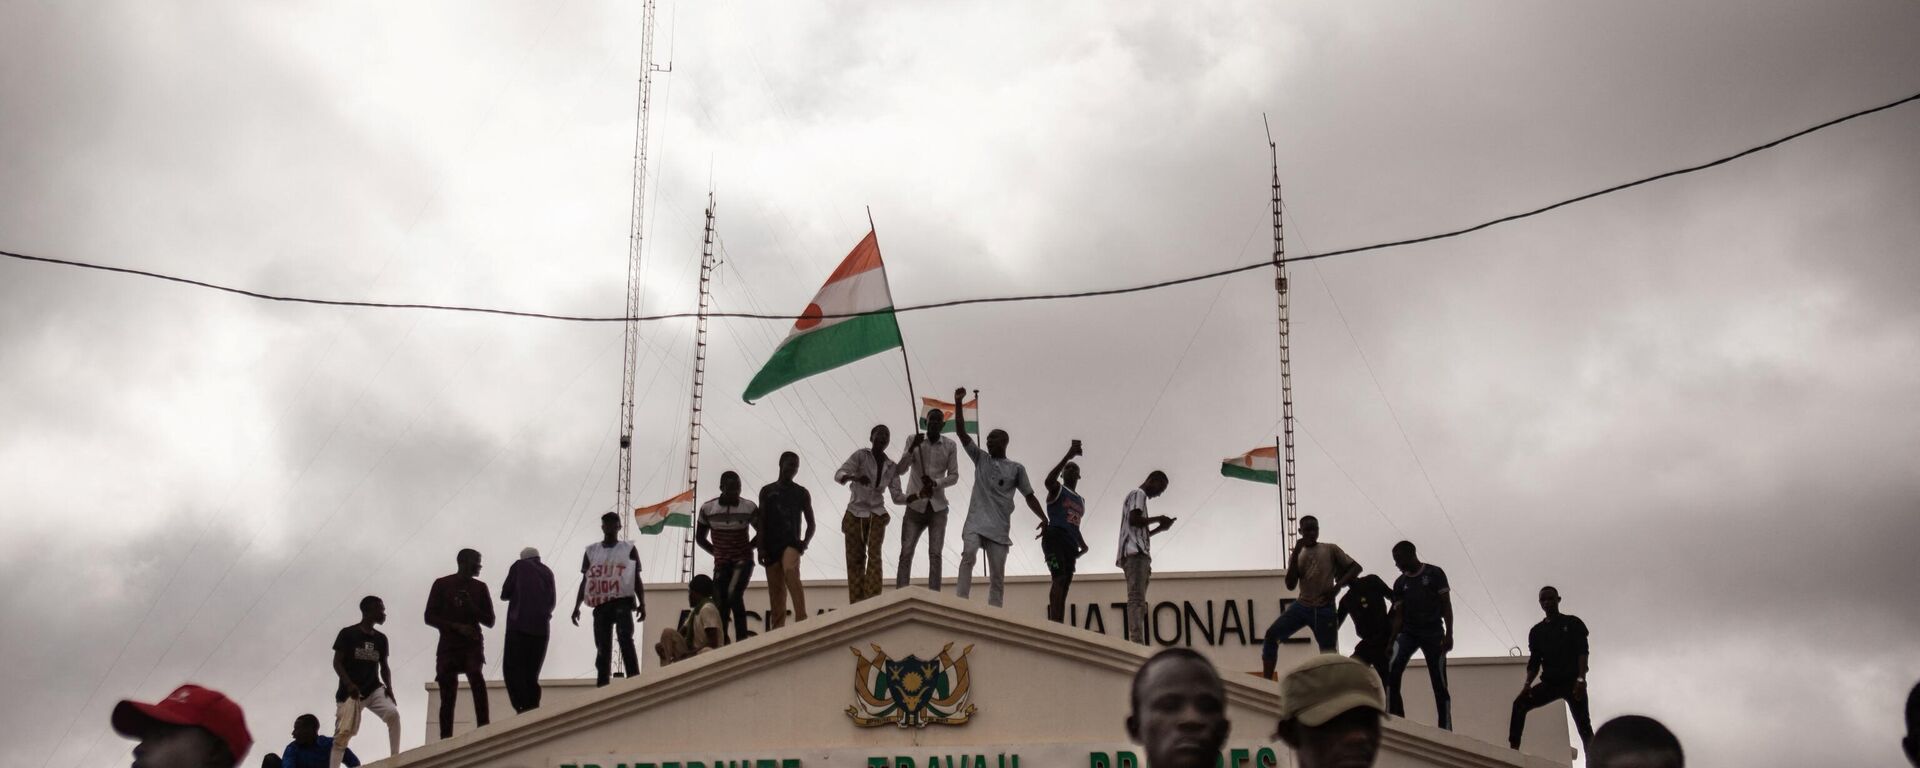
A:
x: 1061, y: 541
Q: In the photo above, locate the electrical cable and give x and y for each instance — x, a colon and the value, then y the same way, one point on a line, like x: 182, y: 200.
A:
x: 985, y: 299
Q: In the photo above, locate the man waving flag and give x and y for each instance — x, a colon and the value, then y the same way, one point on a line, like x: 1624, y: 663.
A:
x: 850, y: 318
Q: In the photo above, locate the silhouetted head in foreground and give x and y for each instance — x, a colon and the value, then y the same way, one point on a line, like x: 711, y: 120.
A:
x: 1911, y: 744
x: 1330, y: 712
x: 194, y: 727
x: 1179, y: 710
x: 1635, y: 741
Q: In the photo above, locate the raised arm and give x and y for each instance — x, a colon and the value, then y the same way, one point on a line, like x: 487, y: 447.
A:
x: 1293, y: 567
x: 960, y: 417
x: 1053, y: 475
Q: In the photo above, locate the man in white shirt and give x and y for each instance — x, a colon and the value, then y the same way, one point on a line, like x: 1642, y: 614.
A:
x: 990, y: 510
x: 866, y: 473
x: 932, y: 466
x: 1136, y: 546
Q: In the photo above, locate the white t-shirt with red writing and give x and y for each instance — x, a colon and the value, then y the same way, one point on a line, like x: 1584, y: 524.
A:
x: 611, y: 572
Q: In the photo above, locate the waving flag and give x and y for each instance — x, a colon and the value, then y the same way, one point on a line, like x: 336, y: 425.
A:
x: 971, y: 408
x: 820, y: 341
x: 676, y: 512
x: 1261, y: 465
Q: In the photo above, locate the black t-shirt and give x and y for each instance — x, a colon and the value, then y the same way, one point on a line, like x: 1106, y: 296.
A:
x: 365, y: 650
x: 1419, y: 597
x: 781, y: 503
x: 1557, y: 645
x: 1366, y: 604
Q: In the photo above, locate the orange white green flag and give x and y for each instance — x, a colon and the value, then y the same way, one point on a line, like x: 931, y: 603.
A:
x: 1261, y: 465
x: 676, y: 512
x: 849, y: 319
x: 971, y: 408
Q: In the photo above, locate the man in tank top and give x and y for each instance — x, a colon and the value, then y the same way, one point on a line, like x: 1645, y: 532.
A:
x: 609, y: 581
x: 1061, y: 541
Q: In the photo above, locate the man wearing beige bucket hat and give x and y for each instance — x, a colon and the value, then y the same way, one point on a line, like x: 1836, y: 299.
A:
x: 1330, y: 709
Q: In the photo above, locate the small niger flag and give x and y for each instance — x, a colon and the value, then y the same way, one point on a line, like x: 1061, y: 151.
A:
x: 971, y: 408
x: 1261, y: 465
x: 676, y: 512
x: 849, y: 319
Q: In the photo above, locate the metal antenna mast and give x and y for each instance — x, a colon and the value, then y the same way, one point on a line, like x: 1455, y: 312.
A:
x: 699, y: 383
x: 1290, y: 526
x: 636, y: 230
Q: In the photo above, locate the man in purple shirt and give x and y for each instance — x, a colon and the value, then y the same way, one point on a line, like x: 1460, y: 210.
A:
x: 528, y: 591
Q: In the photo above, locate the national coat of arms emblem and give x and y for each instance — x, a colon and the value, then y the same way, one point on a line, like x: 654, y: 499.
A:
x: 911, y: 692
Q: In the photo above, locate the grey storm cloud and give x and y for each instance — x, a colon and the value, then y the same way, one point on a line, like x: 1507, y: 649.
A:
x: 1690, y: 406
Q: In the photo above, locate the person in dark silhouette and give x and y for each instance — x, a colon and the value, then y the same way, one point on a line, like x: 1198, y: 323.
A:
x: 1330, y: 709
x: 784, y: 505
x: 1366, y: 604
x: 193, y: 727
x: 1558, y: 648
x: 1423, y: 622
x: 459, y: 605
x: 1635, y: 741
x: 529, y: 593
x: 609, y: 584
x: 1178, y: 710
x: 1911, y: 744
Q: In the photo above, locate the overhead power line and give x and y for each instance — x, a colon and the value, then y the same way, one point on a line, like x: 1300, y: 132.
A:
x: 985, y: 299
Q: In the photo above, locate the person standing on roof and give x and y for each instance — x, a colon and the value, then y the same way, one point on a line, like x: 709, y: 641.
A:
x: 609, y: 584
x: 932, y: 464
x: 1366, y: 603
x: 724, y: 531
x: 529, y: 593
x: 1558, y: 655
x: 1061, y: 541
x: 366, y: 681
x: 459, y: 605
x: 1137, y: 530
x: 784, y: 504
x: 866, y: 474
x: 990, y: 511
x: 1423, y: 621
x: 1319, y: 570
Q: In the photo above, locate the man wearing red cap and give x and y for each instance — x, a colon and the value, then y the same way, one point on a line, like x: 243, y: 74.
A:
x: 192, y: 728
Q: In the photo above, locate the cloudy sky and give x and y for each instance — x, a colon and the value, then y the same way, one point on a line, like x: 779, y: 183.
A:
x: 1693, y: 406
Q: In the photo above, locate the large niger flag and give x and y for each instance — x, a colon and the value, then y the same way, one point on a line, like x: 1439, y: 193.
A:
x: 820, y: 342
x: 1261, y: 465
x: 676, y: 512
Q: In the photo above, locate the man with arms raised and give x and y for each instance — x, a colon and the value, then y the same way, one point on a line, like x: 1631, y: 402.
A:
x: 933, y: 465
x: 990, y: 511
x: 1330, y: 713
x: 1178, y: 710
x: 1319, y: 570
x: 609, y: 581
x: 366, y: 682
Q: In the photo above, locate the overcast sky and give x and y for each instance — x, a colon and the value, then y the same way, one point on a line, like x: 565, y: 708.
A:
x: 1693, y: 406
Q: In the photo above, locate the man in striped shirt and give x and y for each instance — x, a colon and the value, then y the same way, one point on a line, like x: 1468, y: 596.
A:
x: 722, y: 530
x: 866, y: 473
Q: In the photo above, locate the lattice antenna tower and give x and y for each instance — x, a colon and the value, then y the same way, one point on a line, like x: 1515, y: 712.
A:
x: 636, y: 237
x: 1291, y: 516
x: 699, y: 384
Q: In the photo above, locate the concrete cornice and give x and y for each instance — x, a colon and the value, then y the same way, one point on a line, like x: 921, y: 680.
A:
x: 850, y: 626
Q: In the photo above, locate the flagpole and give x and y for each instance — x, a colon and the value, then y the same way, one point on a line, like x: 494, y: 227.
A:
x: 913, y: 403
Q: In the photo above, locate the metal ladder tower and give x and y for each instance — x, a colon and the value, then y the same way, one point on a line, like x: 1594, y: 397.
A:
x: 636, y: 231
x: 699, y: 383
x: 1291, y: 521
